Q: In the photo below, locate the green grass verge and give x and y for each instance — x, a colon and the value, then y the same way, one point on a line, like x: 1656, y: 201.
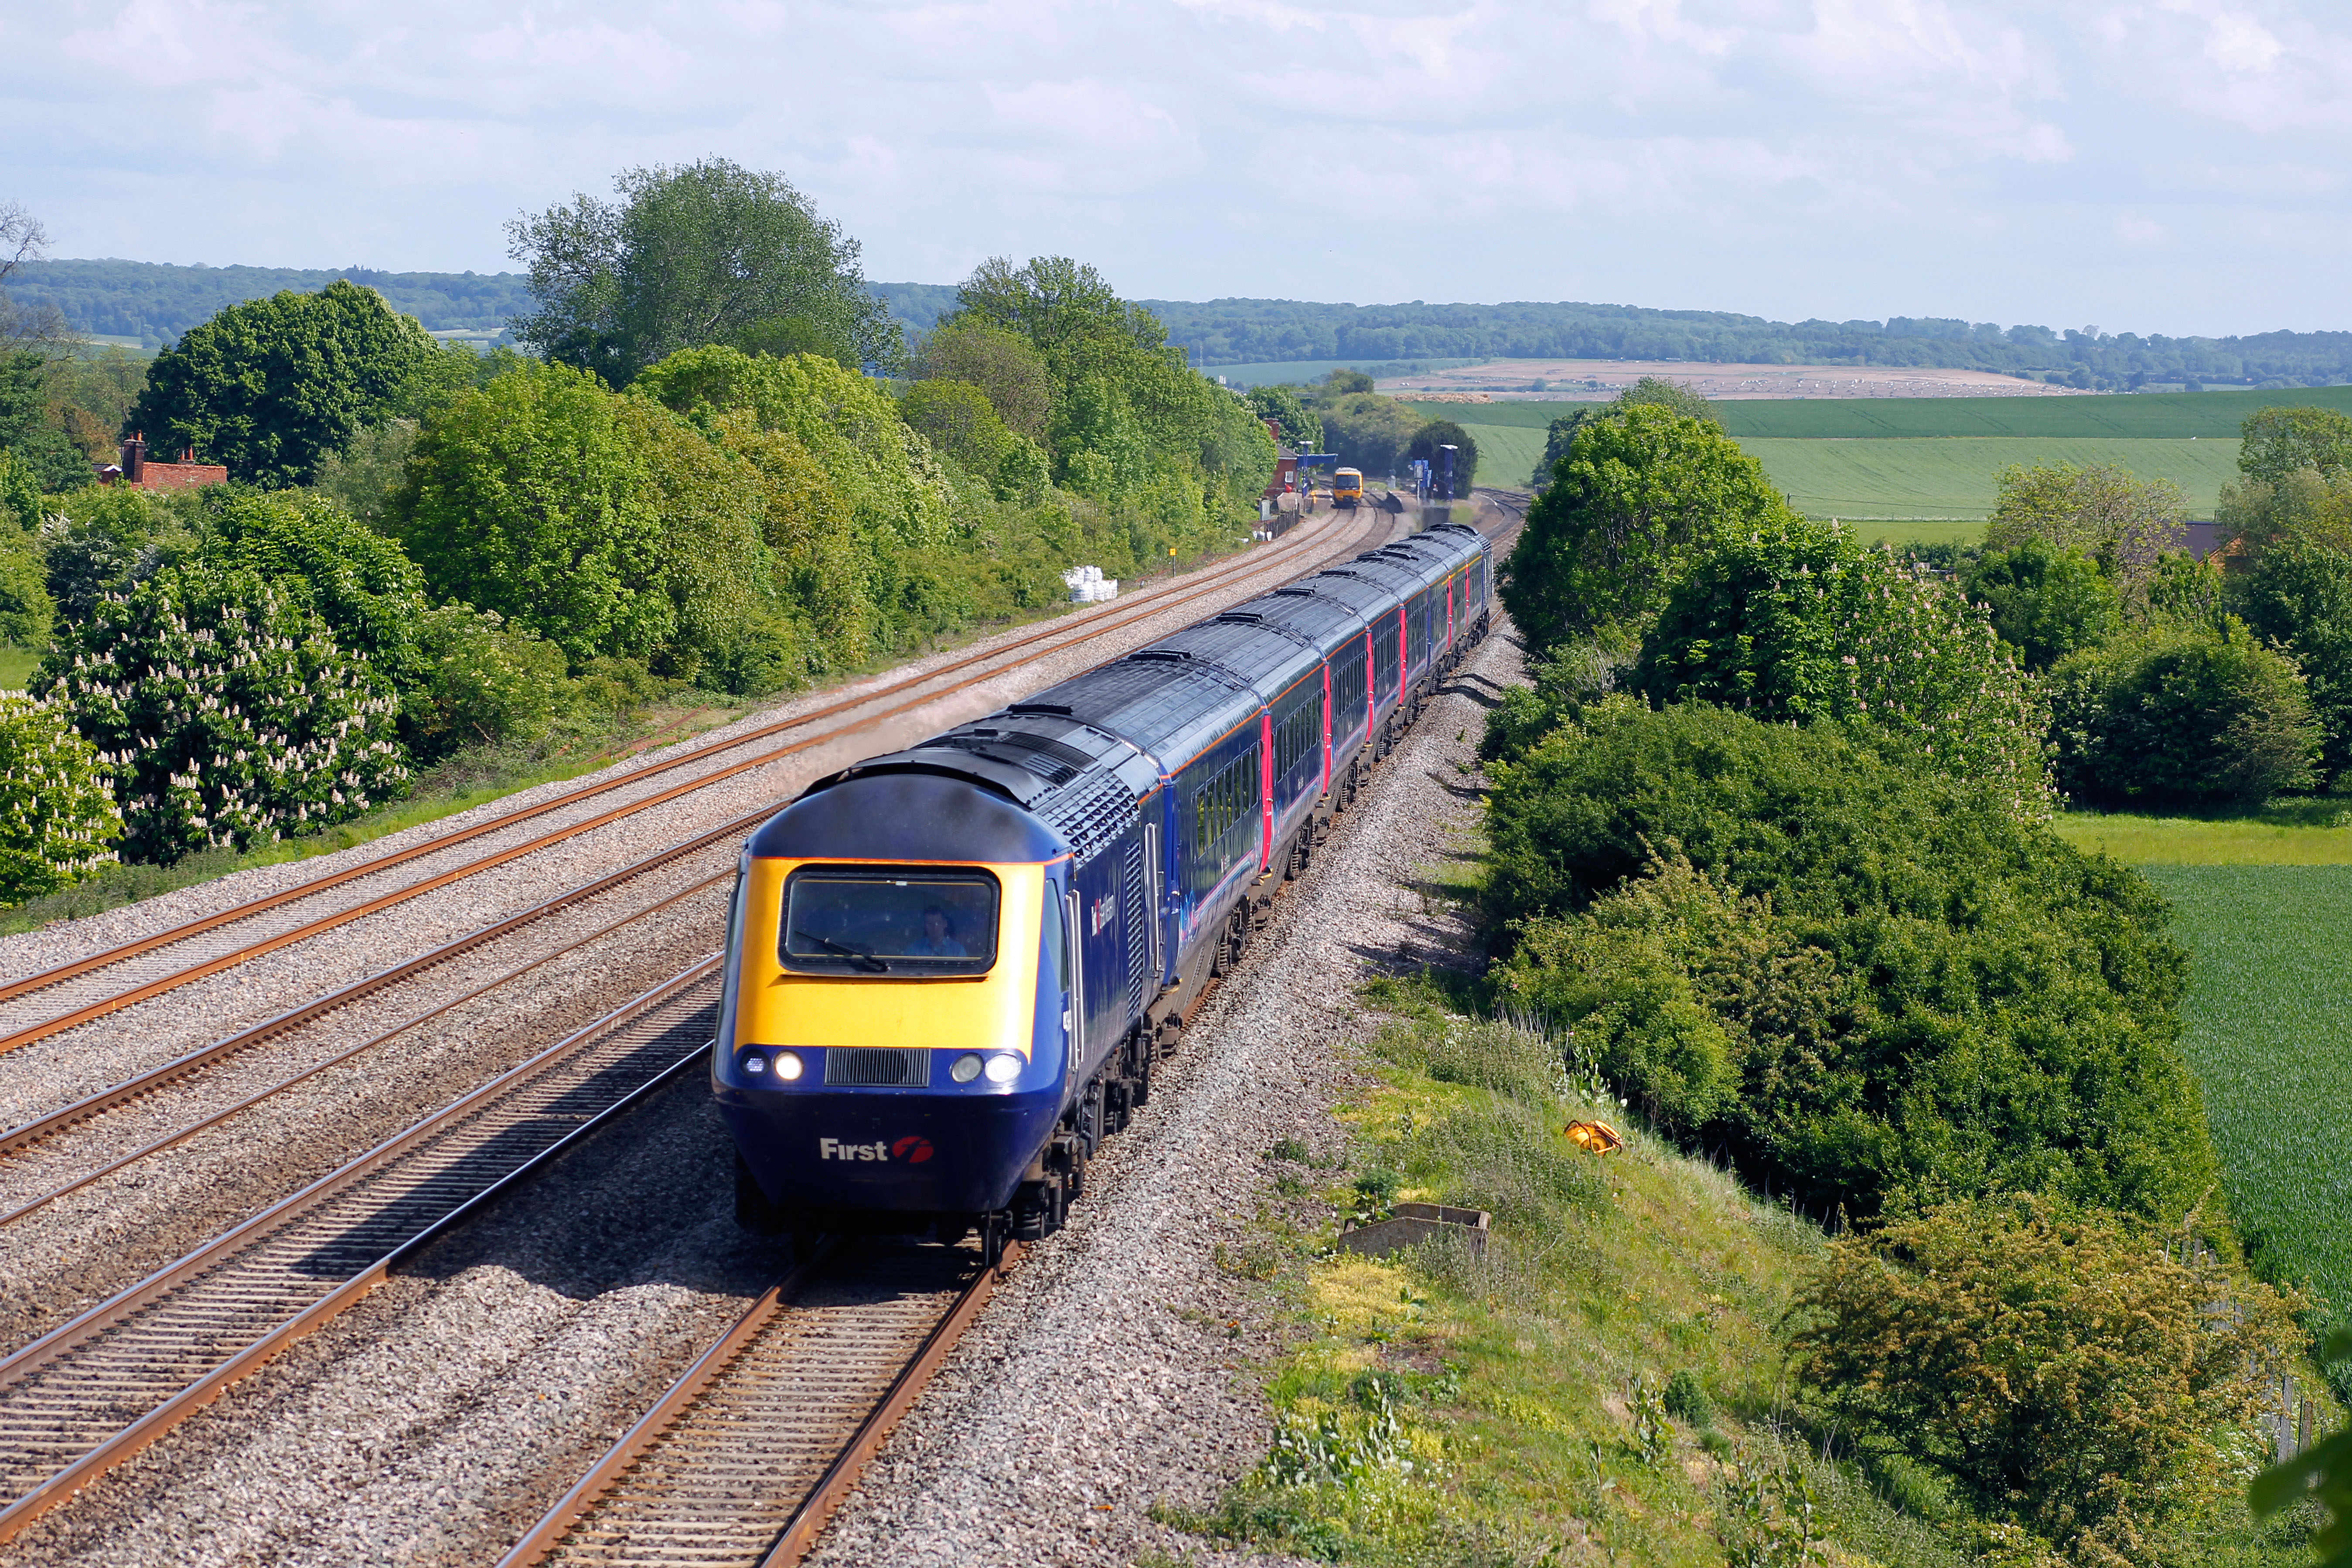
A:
x: 2287, y: 832
x: 2172, y: 415
x: 16, y: 667
x: 1445, y: 1406
x: 2268, y: 1013
x: 1956, y: 477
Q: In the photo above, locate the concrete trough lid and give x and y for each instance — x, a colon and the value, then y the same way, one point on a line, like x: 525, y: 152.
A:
x: 1411, y: 1224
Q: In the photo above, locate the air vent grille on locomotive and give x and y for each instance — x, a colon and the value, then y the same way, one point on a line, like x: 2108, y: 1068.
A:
x: 877, y: 1067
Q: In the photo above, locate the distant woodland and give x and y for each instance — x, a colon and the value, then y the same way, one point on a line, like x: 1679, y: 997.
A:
x: 155, y: 303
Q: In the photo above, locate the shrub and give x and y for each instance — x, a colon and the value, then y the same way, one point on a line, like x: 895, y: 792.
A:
x: 2056, y: 1367
x: 1636, y: 498
x: 229, y: 716
x: 362, y: 584
x: 1857, y: 979
x: 2045, y: 603
x: 2299, y: 595
x: 1797, y: 621
x: 2183, y: 717
x: 481, y: 678
x: 20, y: 492
x: 528, y: 496
x: 58, y: 816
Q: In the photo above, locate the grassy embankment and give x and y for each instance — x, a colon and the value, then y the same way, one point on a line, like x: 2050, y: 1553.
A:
x: 2263, y: 903
x: 1604, y: 1383
x: 1923, y: 468
x: 1583, y: 1388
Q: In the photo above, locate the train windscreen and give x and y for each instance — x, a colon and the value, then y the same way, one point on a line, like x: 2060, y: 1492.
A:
x: 911, y: 922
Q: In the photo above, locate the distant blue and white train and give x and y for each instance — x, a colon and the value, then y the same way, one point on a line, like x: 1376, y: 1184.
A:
x: 951, y: 970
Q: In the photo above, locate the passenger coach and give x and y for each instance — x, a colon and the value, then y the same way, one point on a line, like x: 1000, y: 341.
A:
x: 951, y: 970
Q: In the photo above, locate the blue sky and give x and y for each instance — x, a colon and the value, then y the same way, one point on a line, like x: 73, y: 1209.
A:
x: 2177, y: 166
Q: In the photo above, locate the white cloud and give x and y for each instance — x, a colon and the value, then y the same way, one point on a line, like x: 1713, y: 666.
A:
x: 1789, y: 157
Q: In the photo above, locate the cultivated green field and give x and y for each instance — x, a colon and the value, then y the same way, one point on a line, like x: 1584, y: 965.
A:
x: 2269, y: 1036
x: 1508, y: 455
x: 2139, y: 417
x: 1955, y: 476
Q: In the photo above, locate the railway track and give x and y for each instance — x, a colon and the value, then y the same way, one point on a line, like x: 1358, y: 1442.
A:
x: 127, y: 973
x: 745, y: 1458
x: 93, y: 1391
x: 37, y: 1131
x: 855, y: 1335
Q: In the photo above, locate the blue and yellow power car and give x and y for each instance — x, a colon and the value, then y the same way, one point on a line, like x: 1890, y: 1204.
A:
x: 950, y: 971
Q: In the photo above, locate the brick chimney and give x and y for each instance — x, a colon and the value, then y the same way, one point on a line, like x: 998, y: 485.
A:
x: 134, y: 458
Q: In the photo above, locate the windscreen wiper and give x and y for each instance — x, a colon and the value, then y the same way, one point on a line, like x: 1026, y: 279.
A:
x: 864, y: 960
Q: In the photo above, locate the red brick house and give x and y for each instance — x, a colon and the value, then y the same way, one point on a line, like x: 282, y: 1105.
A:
x: 188, y: 474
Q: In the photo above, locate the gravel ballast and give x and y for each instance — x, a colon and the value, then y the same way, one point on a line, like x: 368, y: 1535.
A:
x: 435, y: 1421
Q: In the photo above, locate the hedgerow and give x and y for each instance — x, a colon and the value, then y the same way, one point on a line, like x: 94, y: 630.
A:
x: 1796, y: 620
x: 1861, y: 979
x: 228, y: 715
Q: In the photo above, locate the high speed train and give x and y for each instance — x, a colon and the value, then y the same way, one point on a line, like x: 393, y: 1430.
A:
x: 951, y: 970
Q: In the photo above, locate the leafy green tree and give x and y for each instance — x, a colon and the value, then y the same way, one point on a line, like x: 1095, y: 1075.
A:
x: 2058, y: 1367
x: 712, y: 562
x: 2045, y: 603
x: 2277, y: 442
x: 848, y: 424
x: 228, y: 716
x: 690, y: 256
x: 1864, y: 981
x: 1368, y: 431
x: 528, y: 496
x: 1796, y: 622
x: 1636, y: 500
x: 1001, y: 363
x: 1437, y: 433
x: 1282, y: 405
x: 2183, y: 716
x: 2254, y: 515
x: 482, y: 679
x: 271, y: 387
x: 1649, y: 392
x: 58, y: 816
x: 112, y: 537
x: 1157, y: 447
x: 360, y: 583
x: 2299, y: 595
x: 2123, y: 522
x: 20, y: 493
x: 26, y: 611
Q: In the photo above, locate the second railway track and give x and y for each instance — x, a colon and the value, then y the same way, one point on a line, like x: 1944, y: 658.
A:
x: 81, y: 990
x: 104, y: 1385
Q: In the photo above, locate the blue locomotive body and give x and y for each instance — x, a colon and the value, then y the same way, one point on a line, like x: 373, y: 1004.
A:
x: 951, y: 970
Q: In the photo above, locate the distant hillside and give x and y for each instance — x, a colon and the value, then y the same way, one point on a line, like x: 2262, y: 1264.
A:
x: 1223, y: 331
x: 155, y: 302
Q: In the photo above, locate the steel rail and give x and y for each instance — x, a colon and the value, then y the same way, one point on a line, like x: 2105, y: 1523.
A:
x: 779, y: 1486
x: 104, y: 1006
x: 665, y: 1449
x: 162, y: 1350
x: 75, y: 968
x: 173, y: 1138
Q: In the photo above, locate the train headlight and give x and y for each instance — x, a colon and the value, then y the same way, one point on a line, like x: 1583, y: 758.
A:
x: 755, y: 1064
x: 788, y: 1066
x: 1003, y: 1069
x: 966, y: 1067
